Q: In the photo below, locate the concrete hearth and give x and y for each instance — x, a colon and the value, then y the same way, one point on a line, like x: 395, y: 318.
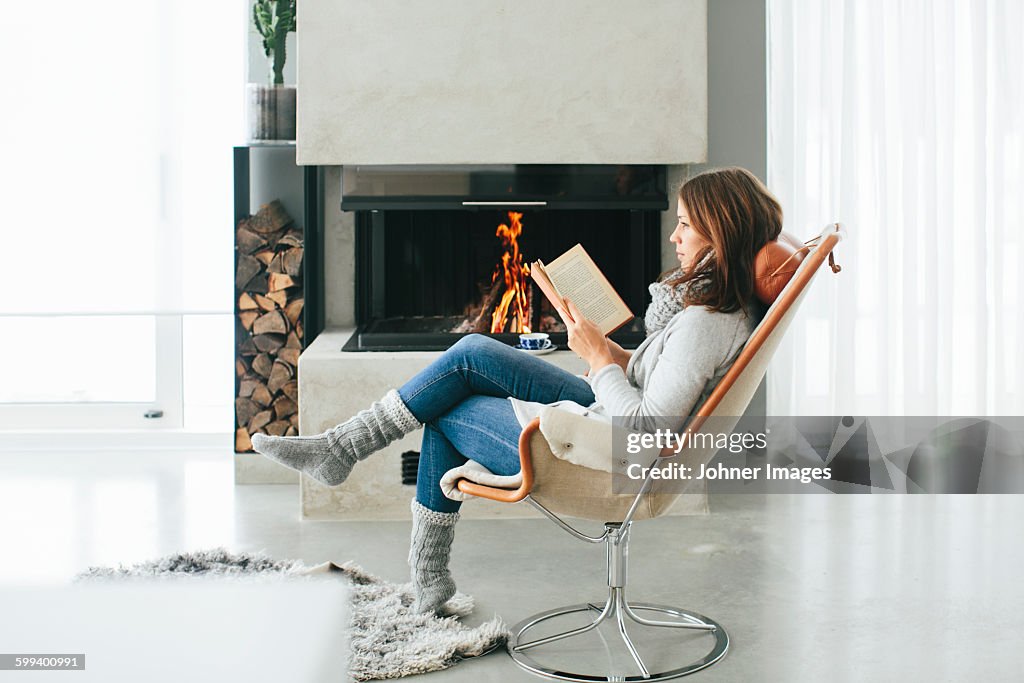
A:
x: 333, y: 385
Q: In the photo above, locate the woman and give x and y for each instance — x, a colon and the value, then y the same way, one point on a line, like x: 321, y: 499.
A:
x: 478, y: 395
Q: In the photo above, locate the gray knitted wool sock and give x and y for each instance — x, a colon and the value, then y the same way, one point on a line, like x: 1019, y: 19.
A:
x: 329, y: 457
x: 429, y: 551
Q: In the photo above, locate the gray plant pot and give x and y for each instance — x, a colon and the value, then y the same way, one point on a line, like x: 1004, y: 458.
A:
x: 270, y: 112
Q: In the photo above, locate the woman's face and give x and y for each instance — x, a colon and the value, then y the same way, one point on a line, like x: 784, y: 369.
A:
x: 686, y: 240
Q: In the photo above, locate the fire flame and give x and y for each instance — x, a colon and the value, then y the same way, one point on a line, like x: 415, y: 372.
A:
x: 514, y: 271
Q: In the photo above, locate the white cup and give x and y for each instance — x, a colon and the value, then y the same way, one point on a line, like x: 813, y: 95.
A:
x: 534, y: 341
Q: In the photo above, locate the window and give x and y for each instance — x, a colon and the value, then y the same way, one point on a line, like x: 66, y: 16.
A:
x: 117, y: 211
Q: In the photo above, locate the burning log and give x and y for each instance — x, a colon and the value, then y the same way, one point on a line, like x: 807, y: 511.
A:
x: 514, y: 272
x: 505, y: 306
x: 482, y: 320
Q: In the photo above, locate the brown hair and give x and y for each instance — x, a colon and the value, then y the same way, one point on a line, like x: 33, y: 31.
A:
x: 733, y: 211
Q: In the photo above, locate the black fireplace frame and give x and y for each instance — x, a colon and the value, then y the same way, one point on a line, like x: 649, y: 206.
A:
x: 643, y: 207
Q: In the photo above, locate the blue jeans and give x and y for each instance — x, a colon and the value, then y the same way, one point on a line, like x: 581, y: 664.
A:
x: 462, y: 399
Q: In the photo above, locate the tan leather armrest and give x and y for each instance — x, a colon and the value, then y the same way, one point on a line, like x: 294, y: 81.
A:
x: 526, y: 465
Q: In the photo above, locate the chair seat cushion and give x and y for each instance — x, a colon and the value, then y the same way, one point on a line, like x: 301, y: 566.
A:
x: 577, y: 439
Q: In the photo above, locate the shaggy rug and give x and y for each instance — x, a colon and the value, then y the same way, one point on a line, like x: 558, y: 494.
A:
x: 388, y: 640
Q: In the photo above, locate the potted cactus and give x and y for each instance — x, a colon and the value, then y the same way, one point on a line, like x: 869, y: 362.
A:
x: 272, y: 104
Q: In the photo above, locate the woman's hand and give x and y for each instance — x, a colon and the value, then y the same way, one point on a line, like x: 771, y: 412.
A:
x: 586, y: 339
x: 619, y: 355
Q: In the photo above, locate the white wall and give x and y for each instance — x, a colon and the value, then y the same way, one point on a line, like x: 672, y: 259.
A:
x: 737, y: 98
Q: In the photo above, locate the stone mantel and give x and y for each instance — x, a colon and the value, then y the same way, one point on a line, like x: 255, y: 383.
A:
x: 502, y: 82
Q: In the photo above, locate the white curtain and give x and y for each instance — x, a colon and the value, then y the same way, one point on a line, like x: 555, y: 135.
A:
x: 903, y: 119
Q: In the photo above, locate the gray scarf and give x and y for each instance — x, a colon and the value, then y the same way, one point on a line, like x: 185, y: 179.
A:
x: 666, y: 301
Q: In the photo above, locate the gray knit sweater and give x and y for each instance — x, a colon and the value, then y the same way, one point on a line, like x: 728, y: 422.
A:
x: 670, y: 374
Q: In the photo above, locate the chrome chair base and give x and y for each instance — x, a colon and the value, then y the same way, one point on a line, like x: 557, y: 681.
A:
x: 519, y: 645
x: 619, y: 610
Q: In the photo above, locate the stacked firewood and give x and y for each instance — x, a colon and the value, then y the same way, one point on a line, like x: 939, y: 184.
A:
x: 268, y: 321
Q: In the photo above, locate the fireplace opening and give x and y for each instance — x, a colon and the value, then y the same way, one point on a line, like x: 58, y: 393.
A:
x: 427, y: 276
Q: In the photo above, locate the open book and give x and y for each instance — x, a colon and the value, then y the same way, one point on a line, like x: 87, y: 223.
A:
x: 575, y: 276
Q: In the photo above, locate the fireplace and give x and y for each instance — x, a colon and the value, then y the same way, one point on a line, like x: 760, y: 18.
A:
x: 444, y: 251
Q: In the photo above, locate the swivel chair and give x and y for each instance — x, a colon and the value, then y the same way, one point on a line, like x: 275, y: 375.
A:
x: 555, y: 486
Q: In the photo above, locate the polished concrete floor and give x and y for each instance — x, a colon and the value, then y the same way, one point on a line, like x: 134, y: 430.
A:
x: 848, y: 588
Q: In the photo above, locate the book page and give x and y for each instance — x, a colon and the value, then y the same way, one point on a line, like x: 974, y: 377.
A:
x: 540, y: 276
x: 576, y: 277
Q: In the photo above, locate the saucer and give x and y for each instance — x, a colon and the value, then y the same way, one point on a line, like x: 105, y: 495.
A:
x: 537, y: 352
